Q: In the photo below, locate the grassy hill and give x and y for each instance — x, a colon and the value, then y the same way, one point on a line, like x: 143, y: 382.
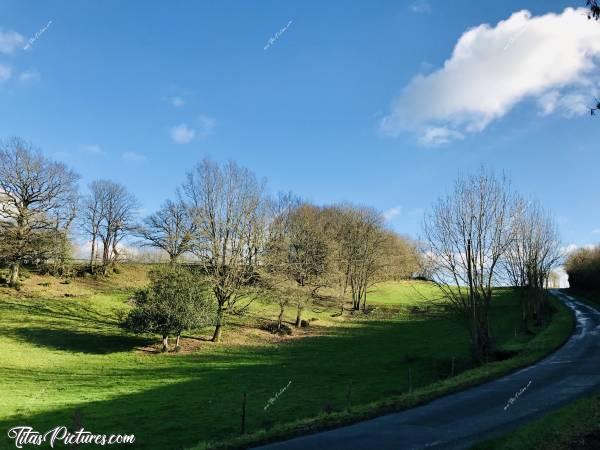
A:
x: 62, y: 351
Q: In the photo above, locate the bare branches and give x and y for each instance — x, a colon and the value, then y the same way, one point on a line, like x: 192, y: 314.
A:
x: 535, y: 249
x: 171, y: 229
x: 227, y: 206
x: 467, y: 233
x: 108, y: 217
x: 37, y: 198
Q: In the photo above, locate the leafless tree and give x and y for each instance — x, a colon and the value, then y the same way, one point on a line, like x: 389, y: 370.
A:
x: 468, y: 232
x: 109, y: 213
x: 171, y: 229
x: 535, y: 249
x: 36, y: 202
x: 225, y: 203
x: 532, y: 255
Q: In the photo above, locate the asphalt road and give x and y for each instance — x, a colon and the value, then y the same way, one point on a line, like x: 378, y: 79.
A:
x: 483, y: 412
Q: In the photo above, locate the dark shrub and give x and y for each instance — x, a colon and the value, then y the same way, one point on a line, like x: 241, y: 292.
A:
x: 271, y: 327
x: 583, y: 268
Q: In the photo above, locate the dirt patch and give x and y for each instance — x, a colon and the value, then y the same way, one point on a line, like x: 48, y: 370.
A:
x: 233, y: 336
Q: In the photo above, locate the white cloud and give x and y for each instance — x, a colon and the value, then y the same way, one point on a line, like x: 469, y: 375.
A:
x: 420, y: 7
x: 439, y: 136
x: 568, y: 249
x: 93, y: 148
x: 596, y: 231
x: 549, y: 58
x: 207, y: 124
x: 177, y: 101
x: 5, y: 72
x: 29, y: 75
x: 10, y: 41
x: 182, y: 134
x: 132, y: 156
x: 389, y: 214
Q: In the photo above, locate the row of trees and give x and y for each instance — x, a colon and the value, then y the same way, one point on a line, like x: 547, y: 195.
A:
x: 248, y: 244
x: 245, y: 243
x: 242, y: 241
x: 481, y: 235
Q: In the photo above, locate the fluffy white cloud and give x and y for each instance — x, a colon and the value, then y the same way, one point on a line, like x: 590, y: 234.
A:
x: 182, y: 134
x: 132, y: 156
x: 10, y: 41
x: 392, y: 212
x: 492, y: 68
x: 5, y: 72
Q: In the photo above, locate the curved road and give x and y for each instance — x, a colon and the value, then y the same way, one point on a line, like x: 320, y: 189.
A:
x: 459, y: 420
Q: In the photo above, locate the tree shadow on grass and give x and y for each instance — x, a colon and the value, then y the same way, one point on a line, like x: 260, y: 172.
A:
x: 80, y: 342
x: 77, y: 312
x: 202, y: 395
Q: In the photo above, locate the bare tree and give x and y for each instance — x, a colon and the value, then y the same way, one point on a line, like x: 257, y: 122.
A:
x: 535, y: 249
x: 36, y: 202
x: 171, y: 229
x: 225, y: 203
x: 91, y: 217
x: 108, y: 217
x: 532, y: 255
x: 468, y: 232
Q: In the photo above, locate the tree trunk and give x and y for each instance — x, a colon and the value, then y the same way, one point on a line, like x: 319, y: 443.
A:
x: 13, y: 278
x: 280, y: 318
x: 165, y: 343
x: 93, y: 253
x: 365, y: 299
x: 299, y: 316
x: 219, y: 326
x: 177, y: 340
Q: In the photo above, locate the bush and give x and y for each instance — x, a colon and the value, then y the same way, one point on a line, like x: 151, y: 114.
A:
x: 176, y: 301
x: 271, y: 327
x: 304, y: 323
x: 583, y: 268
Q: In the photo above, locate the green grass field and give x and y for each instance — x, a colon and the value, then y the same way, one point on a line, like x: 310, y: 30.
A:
x: 402, y: 293
x: 63, y: 354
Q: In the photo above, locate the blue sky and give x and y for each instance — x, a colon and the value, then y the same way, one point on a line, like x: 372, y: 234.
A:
x: 139, y: 92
